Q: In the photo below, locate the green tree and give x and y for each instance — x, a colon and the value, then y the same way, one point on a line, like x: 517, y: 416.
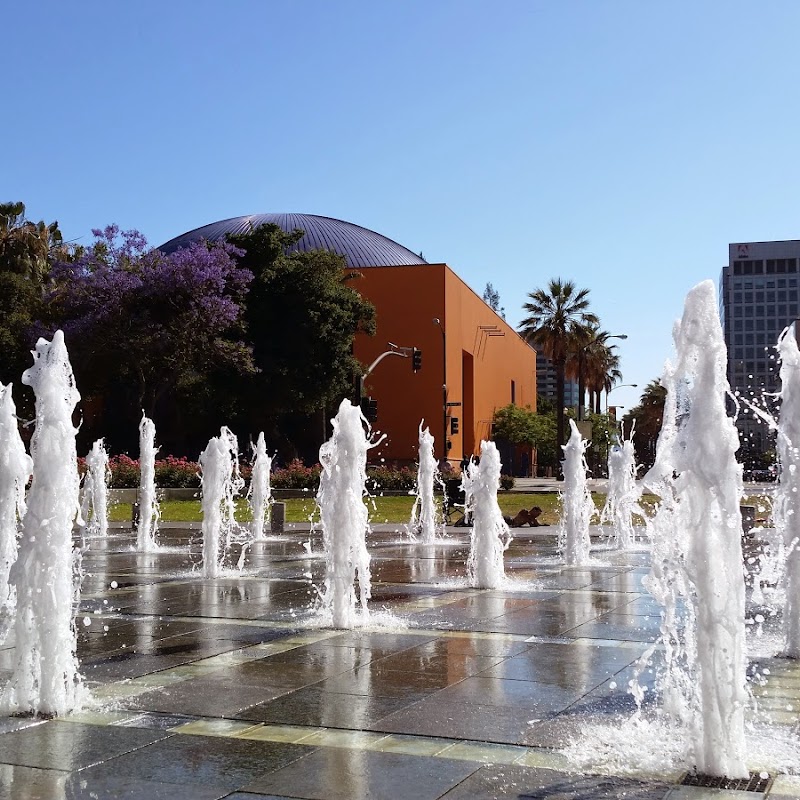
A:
x: 602, y: 368
x: 519, y: 426
x: 150, y: 331
x: 557, y: 321
x: 301, y: 315
x: 27, y: 250
x: 492, y: 299
x: 604, y: 434
x: 647, y: 417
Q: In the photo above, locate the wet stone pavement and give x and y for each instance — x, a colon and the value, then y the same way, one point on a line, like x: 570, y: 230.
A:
x: 232, y: 688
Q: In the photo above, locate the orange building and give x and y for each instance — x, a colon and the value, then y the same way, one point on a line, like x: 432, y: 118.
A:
x: 473, y: 362
x: 467, y: 350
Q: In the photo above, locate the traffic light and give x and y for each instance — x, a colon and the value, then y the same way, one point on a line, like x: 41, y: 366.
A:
x: 369, y: 408
x: 453, y: 426
x: 416, y: 359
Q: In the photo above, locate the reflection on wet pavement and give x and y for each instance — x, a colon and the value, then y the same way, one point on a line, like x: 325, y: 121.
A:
x: 231, y: 687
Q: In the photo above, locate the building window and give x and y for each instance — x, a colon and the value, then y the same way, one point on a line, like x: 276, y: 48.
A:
x: 513, y: 392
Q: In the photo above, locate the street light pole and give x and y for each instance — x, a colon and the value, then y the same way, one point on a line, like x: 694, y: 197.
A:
x: 621, y: 386
x: 437, y: 321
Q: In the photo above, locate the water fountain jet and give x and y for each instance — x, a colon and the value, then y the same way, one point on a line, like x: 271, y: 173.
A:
x: 423, y: 513
x: 622, y: 500
x: 148, y: 502
x: 490, y: 536
x: 260, y: 493
x: 786, y: 505
x: 697, y: 566
x: 95, y: 490
x: 577, y: 504
x: 15, y: 470
x: 46, y: 574
x: 344, y: 517
x: 221, y: 482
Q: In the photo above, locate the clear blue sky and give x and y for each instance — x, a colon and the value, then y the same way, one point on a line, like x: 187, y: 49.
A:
x: 622, y: 145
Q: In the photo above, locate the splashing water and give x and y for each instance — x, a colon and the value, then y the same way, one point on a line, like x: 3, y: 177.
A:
x: 490, y: 535
x: 149, y: 512
x: 344, y: 517
x: 697, y: 554
x: 46, y: 574
x: 423, y: 513
x: 15, y: 470
x: 576, y: 502
x: 260, y: 493
x: 95, y: 490
x: 221, y: 482
x: 622, y: 500
x: 786, y: 506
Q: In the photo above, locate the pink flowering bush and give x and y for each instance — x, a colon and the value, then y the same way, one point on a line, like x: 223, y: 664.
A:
x: 181, y: 473
x: 177, y: 473
x: 391, y: 478
x: 124, y: 472
x: 171, y: 472
x: 296, y: 476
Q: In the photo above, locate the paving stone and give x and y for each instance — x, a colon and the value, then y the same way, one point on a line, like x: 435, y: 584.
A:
x: 339, y: 774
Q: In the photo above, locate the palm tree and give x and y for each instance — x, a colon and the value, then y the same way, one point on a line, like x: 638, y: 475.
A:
x: 647, y: 416
x: 602, y: 368
x: 26, y: 247
x: 557, y: 324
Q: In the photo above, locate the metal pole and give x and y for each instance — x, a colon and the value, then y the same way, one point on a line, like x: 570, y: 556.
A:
x: 438, y: 322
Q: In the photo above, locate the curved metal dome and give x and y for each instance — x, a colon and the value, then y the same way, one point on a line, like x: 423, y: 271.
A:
x: 361, y: 247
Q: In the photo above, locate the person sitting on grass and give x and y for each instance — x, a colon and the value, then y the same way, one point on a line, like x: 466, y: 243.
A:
x: 525, y: 517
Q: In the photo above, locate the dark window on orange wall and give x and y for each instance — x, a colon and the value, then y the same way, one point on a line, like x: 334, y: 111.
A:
x: 513, y: 392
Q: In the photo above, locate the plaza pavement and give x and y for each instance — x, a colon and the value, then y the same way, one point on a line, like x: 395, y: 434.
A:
x: 229, y: 688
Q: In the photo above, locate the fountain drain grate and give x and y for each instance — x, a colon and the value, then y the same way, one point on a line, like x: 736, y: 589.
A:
x: 755, y: 783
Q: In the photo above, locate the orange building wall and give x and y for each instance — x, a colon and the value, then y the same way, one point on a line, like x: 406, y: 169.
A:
x: 480, y: 366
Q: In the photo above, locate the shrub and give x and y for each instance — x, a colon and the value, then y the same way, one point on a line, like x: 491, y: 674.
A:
x: 124, y: 472
x: 177, y: 473
x: 391, y: 478
x: 506, y: 482
x: 296, y: 476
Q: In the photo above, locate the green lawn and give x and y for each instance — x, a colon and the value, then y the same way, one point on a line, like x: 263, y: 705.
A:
x: 390, y: 509
x: 381, y: 509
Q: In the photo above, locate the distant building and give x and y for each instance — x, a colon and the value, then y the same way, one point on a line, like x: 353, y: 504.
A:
x: 480, y: 360
x: 546, y: 383
x: 758, y: 297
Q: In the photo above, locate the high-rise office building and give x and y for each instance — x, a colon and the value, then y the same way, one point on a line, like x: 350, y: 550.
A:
x: 546, y: 382
x: 758, y: 294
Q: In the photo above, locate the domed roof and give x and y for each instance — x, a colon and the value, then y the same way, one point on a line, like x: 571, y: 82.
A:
x: 361, y: 247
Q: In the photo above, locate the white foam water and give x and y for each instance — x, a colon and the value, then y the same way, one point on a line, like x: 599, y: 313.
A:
x: 622, y: 499
x: 260, y: 492
x: 15, y: 470
x: 423, y: 513
x: 94, y: 500
x: 149, y: 512
x: 697, y: 568
x: 786, y: 504
x: 221, y: 482
x: 490, y: 536
x: 577, y: 506
x: 46, y: 574
x: 345, y: 519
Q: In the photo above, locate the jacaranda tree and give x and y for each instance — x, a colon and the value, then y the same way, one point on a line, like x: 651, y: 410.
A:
x: 149, y: 331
